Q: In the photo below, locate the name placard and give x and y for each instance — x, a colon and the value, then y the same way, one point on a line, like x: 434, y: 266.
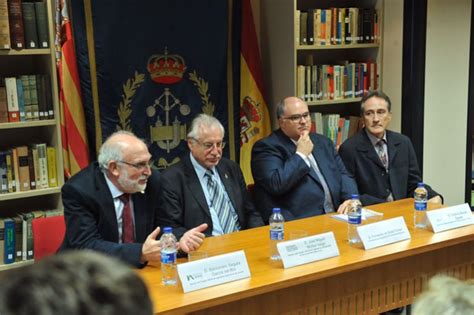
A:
x: 307, y: 249
x: 383, y: 232
x: 450, y: 217
x: 212, y: 271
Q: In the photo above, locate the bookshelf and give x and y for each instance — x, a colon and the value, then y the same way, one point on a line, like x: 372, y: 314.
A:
x: 15, y: 63
x: 283, y: 52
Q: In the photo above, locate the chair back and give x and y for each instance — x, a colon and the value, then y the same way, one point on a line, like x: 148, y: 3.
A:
x: 48, y: 234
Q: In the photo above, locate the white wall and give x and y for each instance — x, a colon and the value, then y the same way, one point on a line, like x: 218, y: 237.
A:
x: 446, y: 90
x: 392, y: 58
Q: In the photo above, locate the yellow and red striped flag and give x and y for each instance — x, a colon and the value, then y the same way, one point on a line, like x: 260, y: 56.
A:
x: 254, y: 117
x: 73, y: 126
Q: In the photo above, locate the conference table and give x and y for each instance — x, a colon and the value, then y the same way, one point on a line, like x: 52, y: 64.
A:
x: 357, y: 281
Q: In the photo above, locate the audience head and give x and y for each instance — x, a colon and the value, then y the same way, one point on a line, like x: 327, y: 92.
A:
x: 446, y: 296
x: 293, y: 117
x: 79, y: 282
x: 206, y: 140
x: 375, y: 110
x: 125, y: 160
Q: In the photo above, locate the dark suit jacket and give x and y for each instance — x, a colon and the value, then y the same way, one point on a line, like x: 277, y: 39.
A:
x: 91, y: 221
x: 284, y: 180
x: 373, y: 182
x: 184, y: 203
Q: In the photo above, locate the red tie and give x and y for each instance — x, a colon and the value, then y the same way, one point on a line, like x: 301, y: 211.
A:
x: 127, y: 220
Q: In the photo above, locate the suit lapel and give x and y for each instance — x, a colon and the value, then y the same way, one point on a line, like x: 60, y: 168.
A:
x: 364, y: 145
x: 106, y: 201
x: 139, y: 210
x: 194, y: 185
x: 392, y: 145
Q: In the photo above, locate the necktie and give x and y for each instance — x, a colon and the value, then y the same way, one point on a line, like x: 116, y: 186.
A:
x: 127, y: 220
x: 221, y: 205
x: 328, y: 205
x: 381, y: 153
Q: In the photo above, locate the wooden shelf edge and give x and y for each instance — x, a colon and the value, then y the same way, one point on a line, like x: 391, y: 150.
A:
x: 14, y: 265
x: 25, y: 52
x: 328, y: 47
x: 331, y: 102
x: 30, y: 193
x: 28, y: 124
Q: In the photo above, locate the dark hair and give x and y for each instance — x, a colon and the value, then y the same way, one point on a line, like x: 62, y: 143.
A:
x: 378, y: 94
x: 280, y: 107
x: 76, y: 282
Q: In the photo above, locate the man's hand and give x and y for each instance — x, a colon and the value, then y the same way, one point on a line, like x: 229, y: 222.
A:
x: 151, y: 249
x: 344, y: 207
x: 436, y: 200
x: 304, y: 144
x: 192, y: 239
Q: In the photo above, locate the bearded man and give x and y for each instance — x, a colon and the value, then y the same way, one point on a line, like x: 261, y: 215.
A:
x: 111, y: 206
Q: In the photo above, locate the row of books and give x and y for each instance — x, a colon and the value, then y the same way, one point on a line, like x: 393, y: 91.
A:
x: 336, y: 82
x: 23, y: 24
x: 337, y: 26
x: 25, y: 98
x: 16, y: 235
x: 336, y: 128
x: 25, y: 168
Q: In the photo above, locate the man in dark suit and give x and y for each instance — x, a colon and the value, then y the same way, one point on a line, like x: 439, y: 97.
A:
x: 383, y: 162
x: 299, y: 172
x: 97, y: 215
x: 204, y: 187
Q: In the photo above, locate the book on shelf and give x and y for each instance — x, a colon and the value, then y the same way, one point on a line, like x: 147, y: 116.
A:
x: 15, y: 18
x: 29, y: 24
x: 3, y: 172
x: 45, y: 103
x: 3, y: 102
x: 31, y: 169
x: 9, y: 236
x: 26, y: 96
x: 4, y: 26
x: 12, y: 99
x: 37, y: 176
x: 42, y: 165
x: 42, y: 24
x: 10, y: 171
x: 2, y: 240
x: 18, y: 236
x: 52, y: 174
x: 337, y: 26
x: 34, y: 97
x: 23, y: 167
x: 21, y: 99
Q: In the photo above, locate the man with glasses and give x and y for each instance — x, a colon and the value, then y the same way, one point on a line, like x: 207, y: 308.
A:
x: 383, y: 162
x: 205, y: 187
x: 111, y: 206
x: 299, y: 172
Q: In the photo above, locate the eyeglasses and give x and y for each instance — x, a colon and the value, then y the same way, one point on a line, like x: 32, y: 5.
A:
x: 209, y: 146
x: 380, y: 113
x: 298, y: 117
x: 139, y: 166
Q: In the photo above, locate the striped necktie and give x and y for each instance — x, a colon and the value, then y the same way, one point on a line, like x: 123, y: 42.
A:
x: 227, y: 217
x: 381, y: 153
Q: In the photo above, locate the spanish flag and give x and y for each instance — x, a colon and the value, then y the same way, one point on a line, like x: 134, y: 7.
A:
x: 73, y: 126
x: 254, y: 117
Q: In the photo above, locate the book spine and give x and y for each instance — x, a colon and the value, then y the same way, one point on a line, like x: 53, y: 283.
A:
x: 15, y: 17
x: 21, y: 99
x: 3, y: 172
x: 9, y: 241
x: 43, y: 165
x: 31, y: 166
x: 4, y: 26
x: 29, y: 23
x: 12, y: 100
x: 34, y: 97
x: 10, y: 171
x: 42, y: 24
x: 2, y: 240
x: 52, y: 173
x: 3, y: 101
x: 18, y: 236
x: 27, y: 96
x: 23, y: 168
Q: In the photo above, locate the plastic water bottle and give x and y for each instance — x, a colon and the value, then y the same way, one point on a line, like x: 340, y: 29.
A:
x: 168, y: 257
x: 355, y: 219
x: 277, y: 232
x: 421, y: 200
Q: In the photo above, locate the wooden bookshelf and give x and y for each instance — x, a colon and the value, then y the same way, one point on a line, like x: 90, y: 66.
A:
x: 14, y: 63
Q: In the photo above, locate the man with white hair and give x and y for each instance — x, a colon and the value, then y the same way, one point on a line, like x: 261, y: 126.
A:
x: 205, y: 187
x: 112, y: 205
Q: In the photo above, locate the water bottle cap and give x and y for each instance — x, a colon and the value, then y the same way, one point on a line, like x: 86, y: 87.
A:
x: 276, y: 210
x: 354, y: 196
x: 421, y: 184
x: 167, y: 229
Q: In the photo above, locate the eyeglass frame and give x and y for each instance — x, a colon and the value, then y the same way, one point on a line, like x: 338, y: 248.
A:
x: 209, y: 146
x: 138, y: 166
x: 297, y: 117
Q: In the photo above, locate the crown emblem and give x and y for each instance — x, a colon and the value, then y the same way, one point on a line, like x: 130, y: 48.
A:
x: 166, y: 69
